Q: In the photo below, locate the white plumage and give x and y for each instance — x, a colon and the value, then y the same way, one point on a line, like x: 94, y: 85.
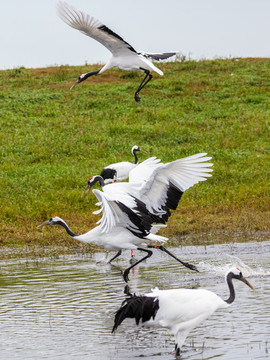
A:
x: 124, y: 56
x: 120, y: 171
x: 179, y: 310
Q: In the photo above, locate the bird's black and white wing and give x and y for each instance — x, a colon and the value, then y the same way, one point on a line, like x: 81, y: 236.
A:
x: 94, y: 28
x: 158, y: 56
x: 165, y: 184
x: 127, y: 212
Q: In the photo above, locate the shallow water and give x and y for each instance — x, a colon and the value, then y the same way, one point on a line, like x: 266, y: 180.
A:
x: 64, y: 308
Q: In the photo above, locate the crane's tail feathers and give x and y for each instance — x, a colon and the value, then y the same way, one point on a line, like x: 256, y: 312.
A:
x: 156, y: 227
x: 136, y: 307
x: 158, y: 238
x: 159, y: 56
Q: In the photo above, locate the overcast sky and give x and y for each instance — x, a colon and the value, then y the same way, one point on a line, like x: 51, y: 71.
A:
x: 32, y: 35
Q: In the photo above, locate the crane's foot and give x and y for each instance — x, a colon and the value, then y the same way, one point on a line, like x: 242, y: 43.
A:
x: 191, y: 267
x: 136, y: 97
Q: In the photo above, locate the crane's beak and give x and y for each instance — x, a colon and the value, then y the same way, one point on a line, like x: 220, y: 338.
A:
x: 244, y: 280
x: 87, y: 189
x: 43, y: 224
x: 76, y: 83
x: 143, y: 151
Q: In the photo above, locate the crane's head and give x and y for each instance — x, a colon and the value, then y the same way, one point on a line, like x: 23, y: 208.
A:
x: 91, y: 182
x: 236, y: 273
x: 137, y: 148
x: 81, y: 78
x: 54, y: 220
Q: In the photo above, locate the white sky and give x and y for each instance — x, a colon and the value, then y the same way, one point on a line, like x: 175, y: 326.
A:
x: 32, y: 35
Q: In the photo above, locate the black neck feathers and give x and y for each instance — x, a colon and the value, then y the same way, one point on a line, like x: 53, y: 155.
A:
x: 99, y: 179
x: 90, y: 74
x: 108, y: 173
x: 135, y: 156
x: 231, y: 288
x: 64, y: 225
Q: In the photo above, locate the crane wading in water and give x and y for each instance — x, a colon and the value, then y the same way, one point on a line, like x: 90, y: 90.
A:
x: 179, y: 310
x: 124, y: 56
x: 121, y: 228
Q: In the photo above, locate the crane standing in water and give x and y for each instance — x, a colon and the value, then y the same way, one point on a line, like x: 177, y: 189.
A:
x: 179, y: 310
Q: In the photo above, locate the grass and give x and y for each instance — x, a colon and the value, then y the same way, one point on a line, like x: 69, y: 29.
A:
x: 53, y: 139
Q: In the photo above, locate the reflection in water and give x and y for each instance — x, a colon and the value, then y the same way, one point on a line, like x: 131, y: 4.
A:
x: 64, y: 309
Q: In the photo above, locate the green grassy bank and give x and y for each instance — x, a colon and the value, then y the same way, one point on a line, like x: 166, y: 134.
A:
x: 54, y: 139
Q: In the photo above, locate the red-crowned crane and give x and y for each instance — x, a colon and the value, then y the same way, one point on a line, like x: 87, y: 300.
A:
x: 120, y: 227
x: 124, y: 56
x: 179, y: 310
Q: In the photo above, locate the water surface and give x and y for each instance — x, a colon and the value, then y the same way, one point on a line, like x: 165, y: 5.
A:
x: 63, y: 308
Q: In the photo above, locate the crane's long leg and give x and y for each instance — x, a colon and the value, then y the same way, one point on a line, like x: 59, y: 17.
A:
x: 162, y: 248
x: 146, y: 79
x: 126, y: 272
x: 115, y: 256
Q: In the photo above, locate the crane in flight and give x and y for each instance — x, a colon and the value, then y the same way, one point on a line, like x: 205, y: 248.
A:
x: 124, y: 56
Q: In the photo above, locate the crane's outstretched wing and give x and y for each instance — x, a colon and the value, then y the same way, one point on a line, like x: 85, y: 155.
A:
x: 130, y: 213
x: 142, y: 172
x: 164, y: 184
x: 94, y: 28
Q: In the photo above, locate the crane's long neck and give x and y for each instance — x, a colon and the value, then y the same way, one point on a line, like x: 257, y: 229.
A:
x: 87, y: 75
x: 65, y: 226
x: 135, y: 156
x: 91, y: 237
x: 231, y: 288
x: 99, y: 179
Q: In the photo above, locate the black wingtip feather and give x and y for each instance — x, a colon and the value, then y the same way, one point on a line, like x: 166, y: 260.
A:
x: 110, y: 32
x: 138, y: 307
x: 173, y: 196
x: 108, y: 173
x: 139, y: 217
